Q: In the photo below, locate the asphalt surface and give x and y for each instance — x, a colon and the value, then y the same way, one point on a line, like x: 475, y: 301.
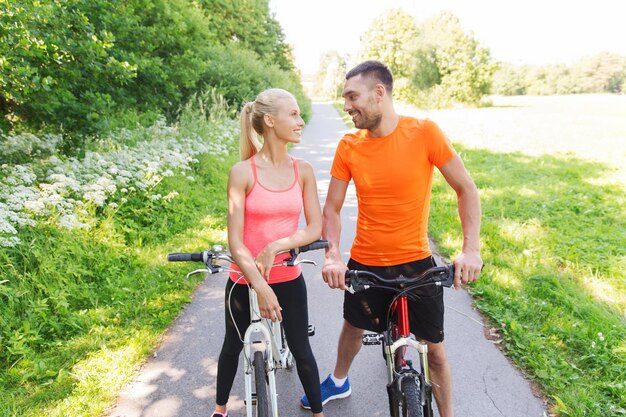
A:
x: 179, y: 379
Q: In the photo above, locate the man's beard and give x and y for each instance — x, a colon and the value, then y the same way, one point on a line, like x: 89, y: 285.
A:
x: 368, y: 122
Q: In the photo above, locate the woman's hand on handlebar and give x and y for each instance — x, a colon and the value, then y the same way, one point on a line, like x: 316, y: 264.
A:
x: 334, y: 273
x: 265, y: 260
x: 268, y: 303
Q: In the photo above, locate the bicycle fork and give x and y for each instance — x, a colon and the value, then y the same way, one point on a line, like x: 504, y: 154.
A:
x: 252, y: 344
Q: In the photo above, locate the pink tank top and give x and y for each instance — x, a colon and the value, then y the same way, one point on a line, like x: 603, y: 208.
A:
x: 270, y: 215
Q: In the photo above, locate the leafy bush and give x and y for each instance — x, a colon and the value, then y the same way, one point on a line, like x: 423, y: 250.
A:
x: 89, y: 67
x: 239, y: 76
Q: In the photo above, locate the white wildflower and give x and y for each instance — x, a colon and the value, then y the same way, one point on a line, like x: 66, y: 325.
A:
x: 69, y: 221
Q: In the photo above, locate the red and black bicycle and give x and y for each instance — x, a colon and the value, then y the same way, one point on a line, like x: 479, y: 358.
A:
x: 409, y: 386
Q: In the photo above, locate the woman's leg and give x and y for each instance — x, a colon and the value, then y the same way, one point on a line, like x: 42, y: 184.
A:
x: 292, y: 297
x: 236, y: 302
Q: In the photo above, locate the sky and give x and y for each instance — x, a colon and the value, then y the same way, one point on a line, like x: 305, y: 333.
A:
x: 535, y: 32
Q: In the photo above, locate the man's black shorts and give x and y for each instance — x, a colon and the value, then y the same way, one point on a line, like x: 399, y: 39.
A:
x: 369, y: 309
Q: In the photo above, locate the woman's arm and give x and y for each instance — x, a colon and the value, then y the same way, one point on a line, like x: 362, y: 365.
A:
x: 312, y: 214
x: 237, y: 184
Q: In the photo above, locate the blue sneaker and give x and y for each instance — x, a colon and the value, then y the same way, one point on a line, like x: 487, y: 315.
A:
x: 329, y: 392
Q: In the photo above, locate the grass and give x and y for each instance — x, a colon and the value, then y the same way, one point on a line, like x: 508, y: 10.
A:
x: 553, y: 239
x: 86, y: 307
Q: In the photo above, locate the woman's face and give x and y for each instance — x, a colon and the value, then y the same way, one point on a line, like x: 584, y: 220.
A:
x: 287, y: 121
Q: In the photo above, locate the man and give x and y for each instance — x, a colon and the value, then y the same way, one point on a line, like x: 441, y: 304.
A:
x: 391, y: 160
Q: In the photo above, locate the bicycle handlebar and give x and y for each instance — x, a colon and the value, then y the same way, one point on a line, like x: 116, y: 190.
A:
x: 362, y: 280
x: 185, y: 256
x: 318, y: 244
x: 207, y: 255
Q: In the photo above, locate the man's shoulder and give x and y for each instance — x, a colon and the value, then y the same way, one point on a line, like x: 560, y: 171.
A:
x: 410, y: 122
x: 353, y: 136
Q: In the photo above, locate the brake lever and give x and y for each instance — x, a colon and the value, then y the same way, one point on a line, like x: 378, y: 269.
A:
x: 198, y: 271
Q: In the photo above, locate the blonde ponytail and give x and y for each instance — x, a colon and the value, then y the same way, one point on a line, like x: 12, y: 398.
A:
x: 252, y: 116
x: 248, y: 142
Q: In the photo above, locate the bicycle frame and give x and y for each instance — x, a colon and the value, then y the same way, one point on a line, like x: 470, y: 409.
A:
x: 404, y: 340
x: 398, y: 343
x: 270, y: 343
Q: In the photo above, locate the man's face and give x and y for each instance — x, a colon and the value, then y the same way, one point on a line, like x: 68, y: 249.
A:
x: 360, y: 102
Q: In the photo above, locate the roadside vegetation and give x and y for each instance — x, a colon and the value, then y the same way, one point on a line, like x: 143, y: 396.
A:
x: 116, y: 137
x: 84, y: 289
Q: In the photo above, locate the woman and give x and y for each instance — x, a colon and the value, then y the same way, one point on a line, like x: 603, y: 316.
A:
x: 267, y: 191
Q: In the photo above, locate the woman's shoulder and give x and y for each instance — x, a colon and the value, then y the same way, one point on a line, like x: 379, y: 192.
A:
x: 303, y: 164
x: 241, y: 166
x: 241, y: 171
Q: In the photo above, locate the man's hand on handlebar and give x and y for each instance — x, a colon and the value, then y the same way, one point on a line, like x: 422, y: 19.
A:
x: 467, y: 267
x: 334, y: 273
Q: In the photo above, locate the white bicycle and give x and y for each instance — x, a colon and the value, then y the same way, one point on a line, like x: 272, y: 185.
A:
x: 265, y: 346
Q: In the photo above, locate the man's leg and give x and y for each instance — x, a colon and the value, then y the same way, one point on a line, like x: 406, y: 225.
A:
x: 332, y: 388
x: 441, y: 378
x: 350, y: 342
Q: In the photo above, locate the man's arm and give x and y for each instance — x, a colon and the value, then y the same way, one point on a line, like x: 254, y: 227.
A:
x: 469, y: 263
x: 334, y: 269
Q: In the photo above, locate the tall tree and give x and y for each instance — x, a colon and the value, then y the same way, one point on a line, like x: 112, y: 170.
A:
x: 463, y: 67
x: 251, y: 23
x: 386, y: 40
x: 330, y: 76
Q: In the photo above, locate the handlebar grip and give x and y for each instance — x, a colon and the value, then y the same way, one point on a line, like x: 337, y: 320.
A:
x: 185, y: 256
x: 319, y: 244
x: 449, y: 280
x: 350, y: 275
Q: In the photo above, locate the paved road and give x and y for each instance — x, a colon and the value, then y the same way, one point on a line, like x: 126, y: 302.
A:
x: 180, y: 378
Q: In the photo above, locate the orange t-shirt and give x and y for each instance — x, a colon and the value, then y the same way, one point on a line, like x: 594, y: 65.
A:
x: 393, y: 178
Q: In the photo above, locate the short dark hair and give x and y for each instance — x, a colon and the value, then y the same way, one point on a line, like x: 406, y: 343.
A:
x: 374, y: 69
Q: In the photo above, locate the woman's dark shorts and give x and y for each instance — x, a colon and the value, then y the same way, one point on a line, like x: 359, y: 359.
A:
x: 369, y: 309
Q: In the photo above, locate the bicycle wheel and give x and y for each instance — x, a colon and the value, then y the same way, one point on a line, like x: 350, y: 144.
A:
x: 428, y: 401
x: 262, y: 405
x: 411, y: 401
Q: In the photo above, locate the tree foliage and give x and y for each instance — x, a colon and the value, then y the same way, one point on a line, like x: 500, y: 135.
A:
x: 330, y: 76
x: 435, y: 62
x: 453, y: 68
x: 602, y: 73
x: 387, y: 38
x: 77, y: 66
x: 249, y: 23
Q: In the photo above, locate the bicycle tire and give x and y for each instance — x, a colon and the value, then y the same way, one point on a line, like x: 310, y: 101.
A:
x: 428, y: 393
x: 411, y: 401
x: 262, y: 404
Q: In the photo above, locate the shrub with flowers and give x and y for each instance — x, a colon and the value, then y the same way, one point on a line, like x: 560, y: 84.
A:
x: 69, y: 191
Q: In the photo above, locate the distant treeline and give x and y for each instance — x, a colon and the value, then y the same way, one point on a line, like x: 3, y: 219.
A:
x: 437, y: 63
x: 80, y: 66
x: 602, y: 73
